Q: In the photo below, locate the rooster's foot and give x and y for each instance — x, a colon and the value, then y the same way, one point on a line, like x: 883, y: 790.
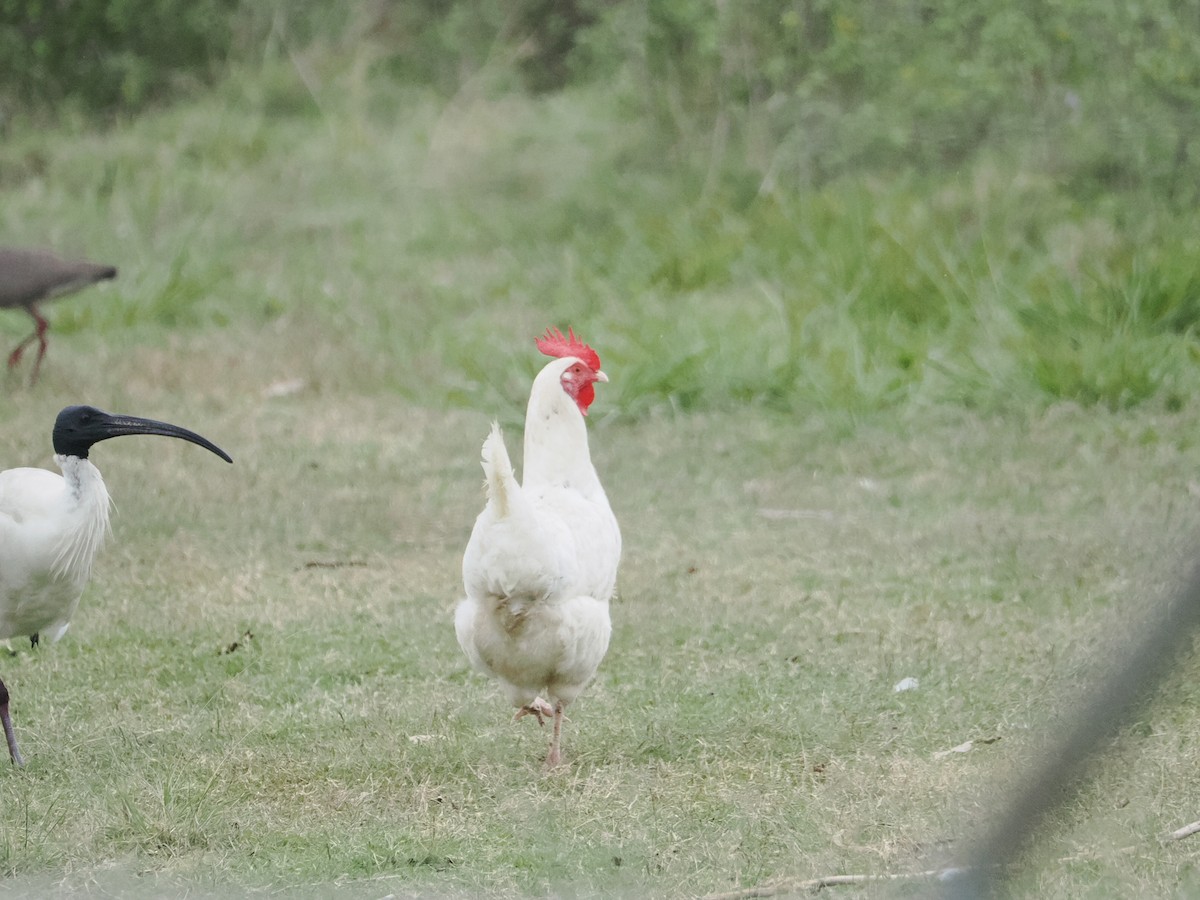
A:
x: 539, y: 708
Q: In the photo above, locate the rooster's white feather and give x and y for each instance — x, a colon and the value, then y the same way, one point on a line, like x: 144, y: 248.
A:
x: 541, y: 564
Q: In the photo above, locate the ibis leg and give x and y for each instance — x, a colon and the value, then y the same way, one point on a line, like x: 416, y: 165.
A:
x: 6, y: 722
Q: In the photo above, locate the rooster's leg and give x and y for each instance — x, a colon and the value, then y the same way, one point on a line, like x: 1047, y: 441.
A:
x: 554, y: 757
x: 538, y: 707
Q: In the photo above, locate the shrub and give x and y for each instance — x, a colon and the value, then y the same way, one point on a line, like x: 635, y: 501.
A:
x: 1101, y: 94
x: 104, y: 54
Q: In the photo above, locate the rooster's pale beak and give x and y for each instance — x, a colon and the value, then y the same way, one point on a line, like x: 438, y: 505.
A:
x: 600, y: 376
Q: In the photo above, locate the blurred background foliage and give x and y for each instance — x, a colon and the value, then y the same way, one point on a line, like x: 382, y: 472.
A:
x: 854, y: 203
x: 798, y: 89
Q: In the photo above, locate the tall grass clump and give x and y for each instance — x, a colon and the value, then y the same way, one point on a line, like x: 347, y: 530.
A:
x: 1099, y: 95
x: 98, y: 56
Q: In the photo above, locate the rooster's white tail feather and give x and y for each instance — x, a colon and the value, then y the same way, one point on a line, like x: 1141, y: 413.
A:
x: 498, y: 472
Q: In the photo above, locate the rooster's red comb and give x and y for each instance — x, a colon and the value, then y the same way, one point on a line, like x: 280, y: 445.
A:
x: 554, y: 344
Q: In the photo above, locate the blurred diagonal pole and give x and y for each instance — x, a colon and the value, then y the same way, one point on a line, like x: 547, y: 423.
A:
x: 1150, y: 656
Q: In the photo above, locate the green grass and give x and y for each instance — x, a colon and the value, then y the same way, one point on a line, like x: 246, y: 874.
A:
x: 436, y: 236
x: 777, y: 585
x: 877, y: 430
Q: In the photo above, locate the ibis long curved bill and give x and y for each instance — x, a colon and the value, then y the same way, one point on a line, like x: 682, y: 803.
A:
x: 79, y: 427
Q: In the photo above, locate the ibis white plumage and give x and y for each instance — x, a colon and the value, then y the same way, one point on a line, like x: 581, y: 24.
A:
x: 51, y: 527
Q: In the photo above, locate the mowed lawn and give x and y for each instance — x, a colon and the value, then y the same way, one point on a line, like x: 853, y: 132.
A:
x: 262, y: 687
x: 261, y: 691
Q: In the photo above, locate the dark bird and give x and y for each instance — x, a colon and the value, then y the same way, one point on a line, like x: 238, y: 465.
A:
x: 27, y: 277
x: 52, y: 526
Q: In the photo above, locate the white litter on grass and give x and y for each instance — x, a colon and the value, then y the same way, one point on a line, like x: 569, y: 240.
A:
x: 961, y: 748
x: 421, y: 738
x: 821, y: 515
x: 906, y: 684
x: 284, y: 388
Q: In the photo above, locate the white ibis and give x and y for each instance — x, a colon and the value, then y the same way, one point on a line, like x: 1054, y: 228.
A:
x: 27, y: 277
x: 51, y: 527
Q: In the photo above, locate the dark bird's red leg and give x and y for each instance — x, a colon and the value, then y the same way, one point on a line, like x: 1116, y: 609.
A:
x: 40, y: 331
x: 6, y: 722
x: 39, y: 334
x: 15, y: 356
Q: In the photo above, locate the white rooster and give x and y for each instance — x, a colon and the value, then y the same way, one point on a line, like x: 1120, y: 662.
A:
x: 541, y: 564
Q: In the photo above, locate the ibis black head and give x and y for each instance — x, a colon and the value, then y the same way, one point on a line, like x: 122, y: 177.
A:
x: 78, y: 427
